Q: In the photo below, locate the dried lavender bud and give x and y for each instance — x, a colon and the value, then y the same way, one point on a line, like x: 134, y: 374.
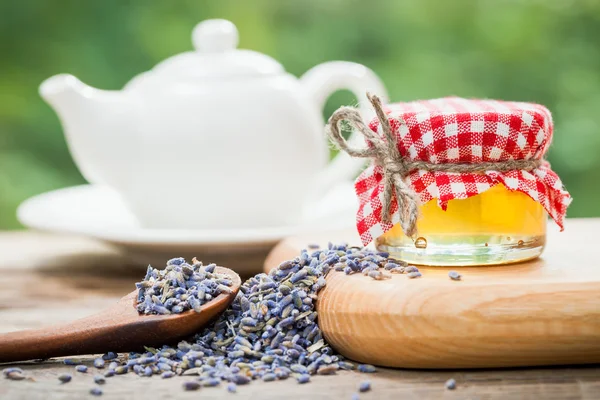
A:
x: 109, y: 356
x: 167, y: 374
x: 211, y: 382
x: 113, y: 365
x: 187, y: 270
x: 411, y: 268
x: 96, y: 391
x: 364, y: 386
x: 99, y: 363
x: 366, y: 368
x: 355, y: 396
x: 377, y: 275
x: 121, y: 370
x: 7, y: 371
x: 191, y: 385
x: 68, y: 361
x: 81, y: 368
x: 240, y: 379
x: 15, y: 376
x: 346, y: 365
x: 304, y: 378
x: 175, y: 261
x: 64, y: 378
x: 162, y: 366
x: 339, y: 266
x: 455, y: 276
x: 99, y: 379
x: 231, y: 387
x: 327, y: 369
x: 146, y: 360
x: 109, y: 373
x: 414, y: 275
x: 210, y: 268
x: 269, y: 377
x: 249, y: 321
x: 366, y: 270
x: 451, y: 384
x: 391, y: 265
x: 298, y: 368
x: 299, y: 275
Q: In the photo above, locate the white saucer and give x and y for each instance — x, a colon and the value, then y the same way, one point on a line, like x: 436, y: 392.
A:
x: 98, y: 212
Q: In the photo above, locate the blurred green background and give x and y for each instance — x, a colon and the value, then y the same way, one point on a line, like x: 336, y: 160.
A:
x: 540, y: 51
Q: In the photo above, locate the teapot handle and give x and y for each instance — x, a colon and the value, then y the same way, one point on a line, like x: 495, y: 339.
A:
x: 320, y: 82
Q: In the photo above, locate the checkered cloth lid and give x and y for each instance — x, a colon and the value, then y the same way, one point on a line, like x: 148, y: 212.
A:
x: 456, y: 130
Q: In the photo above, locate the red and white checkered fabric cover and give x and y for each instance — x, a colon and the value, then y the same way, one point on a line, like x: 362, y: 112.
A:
x: 460, y: 130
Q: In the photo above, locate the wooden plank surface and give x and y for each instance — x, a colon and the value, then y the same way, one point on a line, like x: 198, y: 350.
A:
x: 47, y: 279
x: 542, y: 312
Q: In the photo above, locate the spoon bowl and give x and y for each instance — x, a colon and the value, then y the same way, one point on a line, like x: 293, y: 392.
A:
x: 118, y: 328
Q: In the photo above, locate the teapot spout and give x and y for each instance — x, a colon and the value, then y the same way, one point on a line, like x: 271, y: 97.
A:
x: 91, y: 119
x: 63, y: 91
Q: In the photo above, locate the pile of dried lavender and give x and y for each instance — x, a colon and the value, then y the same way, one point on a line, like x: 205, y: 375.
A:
x: 269, y: 332
x: 371, y: 263
x: 180, y: 287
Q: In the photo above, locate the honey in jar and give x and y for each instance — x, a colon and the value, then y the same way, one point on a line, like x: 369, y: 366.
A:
x: 465, y: 178
x: 495, y: 227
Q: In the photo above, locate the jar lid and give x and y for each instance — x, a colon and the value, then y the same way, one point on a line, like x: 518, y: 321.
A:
x: 216, y: 56
x: 459, y: 130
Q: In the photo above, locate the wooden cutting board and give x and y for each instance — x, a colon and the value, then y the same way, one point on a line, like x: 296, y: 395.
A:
x: 540, y: 312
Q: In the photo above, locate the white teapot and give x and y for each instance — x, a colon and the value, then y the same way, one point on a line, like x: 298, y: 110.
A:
x: 211, y: 138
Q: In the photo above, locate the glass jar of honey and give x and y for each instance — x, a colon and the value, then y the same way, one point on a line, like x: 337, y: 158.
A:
x: 495, y: 227
x: 455, y: 182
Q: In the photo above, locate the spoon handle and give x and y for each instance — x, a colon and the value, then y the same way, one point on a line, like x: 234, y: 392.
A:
x: 119, y: 328
x: 107, y: 330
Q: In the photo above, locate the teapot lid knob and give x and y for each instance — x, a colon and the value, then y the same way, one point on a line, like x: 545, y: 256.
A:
x: 215, y: 36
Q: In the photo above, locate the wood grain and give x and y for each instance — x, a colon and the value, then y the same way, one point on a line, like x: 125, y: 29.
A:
x: 547, y: 384
x: 541, y: 312
x: 119, y: 328
x: 59, y: 278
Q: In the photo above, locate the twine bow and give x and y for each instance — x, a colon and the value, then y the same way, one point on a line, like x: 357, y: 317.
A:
x: 384, y: 152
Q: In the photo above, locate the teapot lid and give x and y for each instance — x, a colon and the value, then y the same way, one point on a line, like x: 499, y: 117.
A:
x: 217, y: 56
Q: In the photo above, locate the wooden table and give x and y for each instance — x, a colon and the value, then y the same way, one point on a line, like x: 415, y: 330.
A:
x: 47, y: 279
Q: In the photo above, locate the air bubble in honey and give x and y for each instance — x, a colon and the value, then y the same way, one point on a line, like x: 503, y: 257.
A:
x: 421, y: 243
x: 520, y: 242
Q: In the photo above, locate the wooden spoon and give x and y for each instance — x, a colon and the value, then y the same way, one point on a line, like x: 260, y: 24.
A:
x: 118, y: 328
